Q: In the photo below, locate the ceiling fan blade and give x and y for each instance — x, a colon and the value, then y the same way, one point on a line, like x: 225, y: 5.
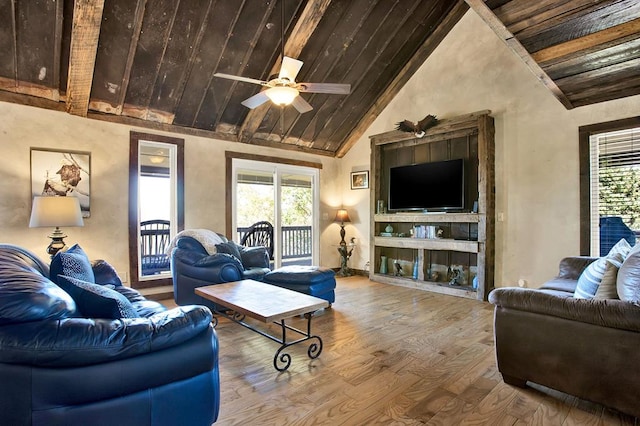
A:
x: 290, y: 68
x: 255, y: 100
x: 301, y: 105
x: 332, y: 88
x: 239, y: 78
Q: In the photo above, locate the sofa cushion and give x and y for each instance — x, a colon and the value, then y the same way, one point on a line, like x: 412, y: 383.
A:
x: 104, y: 273
x: 628, y: 281
x: 72, y: 263
x: 96, y: 301
x: 591, y: 277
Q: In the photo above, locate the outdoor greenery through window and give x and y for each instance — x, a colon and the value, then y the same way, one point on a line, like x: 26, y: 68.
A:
x: 615, y: 178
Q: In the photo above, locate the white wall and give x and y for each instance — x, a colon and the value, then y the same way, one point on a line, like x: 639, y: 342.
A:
x: 105, y: 234
x: 537, y: 180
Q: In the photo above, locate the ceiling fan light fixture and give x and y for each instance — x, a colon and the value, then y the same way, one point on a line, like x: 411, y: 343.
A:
x: 282, y: 95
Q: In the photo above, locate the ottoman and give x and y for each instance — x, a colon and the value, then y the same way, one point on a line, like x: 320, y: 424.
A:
x: 312, y: 280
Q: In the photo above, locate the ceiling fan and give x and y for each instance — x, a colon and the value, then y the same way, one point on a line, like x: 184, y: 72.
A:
x: 283, y: 90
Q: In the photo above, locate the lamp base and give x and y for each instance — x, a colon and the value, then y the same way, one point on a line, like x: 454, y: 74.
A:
x: 57, y: 242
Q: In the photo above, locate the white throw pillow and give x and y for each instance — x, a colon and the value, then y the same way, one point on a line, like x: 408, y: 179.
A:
x: 628, y: 281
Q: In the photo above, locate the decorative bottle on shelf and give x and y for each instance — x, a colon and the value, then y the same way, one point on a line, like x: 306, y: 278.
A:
x: 415, y: 270
x: 383, y: 264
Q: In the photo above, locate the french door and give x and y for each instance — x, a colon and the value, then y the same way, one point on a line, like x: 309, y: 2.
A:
x: 285, y: 196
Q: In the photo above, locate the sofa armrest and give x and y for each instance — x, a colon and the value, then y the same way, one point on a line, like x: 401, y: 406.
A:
x: 610, y: 313
x: 571, y: 267
x: 84, y: 341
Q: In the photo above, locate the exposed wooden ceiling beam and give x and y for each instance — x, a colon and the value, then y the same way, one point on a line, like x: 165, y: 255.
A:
x: 87, y: 16
x: 404, y: 75
x: 306, y: 25
x: 509, y: 39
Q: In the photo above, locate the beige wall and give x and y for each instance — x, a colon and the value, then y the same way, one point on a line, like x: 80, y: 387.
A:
x: 536, y: 144
x: 472, y: 70
x: 105, y: 233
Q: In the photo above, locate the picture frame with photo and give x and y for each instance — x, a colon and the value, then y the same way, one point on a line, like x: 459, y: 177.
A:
x: 62, y: 173
x: 360, y: 180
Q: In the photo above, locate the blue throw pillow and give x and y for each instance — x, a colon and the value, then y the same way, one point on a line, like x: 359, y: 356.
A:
x: 96, y: 301
x: 229, y: 248
x: 72, y: 263
x: 105, y: 273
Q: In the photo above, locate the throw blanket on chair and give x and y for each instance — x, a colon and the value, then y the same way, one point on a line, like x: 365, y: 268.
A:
x: 206, y: 237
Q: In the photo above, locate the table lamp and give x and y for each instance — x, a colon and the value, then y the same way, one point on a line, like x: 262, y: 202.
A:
x: 342, y: 216
x: 55, y: 211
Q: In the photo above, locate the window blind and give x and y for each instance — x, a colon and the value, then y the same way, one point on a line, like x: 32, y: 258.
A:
x: 615, y: 179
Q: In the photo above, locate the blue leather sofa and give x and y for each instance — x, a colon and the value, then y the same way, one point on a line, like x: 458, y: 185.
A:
x: 192, y: 267
x: 60, y: 367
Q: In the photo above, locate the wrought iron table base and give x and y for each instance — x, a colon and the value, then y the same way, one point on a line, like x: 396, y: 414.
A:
x: 281, y: 360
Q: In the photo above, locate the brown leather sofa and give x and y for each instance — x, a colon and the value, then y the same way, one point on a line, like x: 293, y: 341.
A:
x: 586, y: 348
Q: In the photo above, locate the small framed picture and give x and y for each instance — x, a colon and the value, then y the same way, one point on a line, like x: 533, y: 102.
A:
x: 62, y: 173
x: 360, y: 180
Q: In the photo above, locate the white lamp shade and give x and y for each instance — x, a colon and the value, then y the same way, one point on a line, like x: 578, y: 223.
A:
x: 55, y: 211
x: 282, y: 95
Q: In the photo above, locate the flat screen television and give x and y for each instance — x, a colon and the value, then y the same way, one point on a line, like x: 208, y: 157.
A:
x: 435, y: 186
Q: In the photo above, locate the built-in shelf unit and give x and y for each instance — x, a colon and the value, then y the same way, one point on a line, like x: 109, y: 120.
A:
x: 465, y: 241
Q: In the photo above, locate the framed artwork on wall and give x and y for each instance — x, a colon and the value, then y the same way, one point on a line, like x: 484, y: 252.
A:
x: 360, y: 180
x: 62, y: 173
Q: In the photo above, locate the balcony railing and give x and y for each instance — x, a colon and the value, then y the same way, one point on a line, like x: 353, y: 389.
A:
x: 296, y: 242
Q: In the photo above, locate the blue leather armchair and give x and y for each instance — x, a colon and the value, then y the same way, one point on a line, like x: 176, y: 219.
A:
x: 58, y: 367
x: 192, y: 267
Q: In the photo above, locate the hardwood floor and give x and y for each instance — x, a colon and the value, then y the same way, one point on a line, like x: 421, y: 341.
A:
x: 391, y: 356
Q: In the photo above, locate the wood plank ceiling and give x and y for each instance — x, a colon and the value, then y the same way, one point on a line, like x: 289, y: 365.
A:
x: 151, y: 62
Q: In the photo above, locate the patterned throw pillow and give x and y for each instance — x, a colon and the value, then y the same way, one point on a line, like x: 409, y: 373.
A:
x: 591, y: 277
x: 96, y: 301
x: 72, y: 263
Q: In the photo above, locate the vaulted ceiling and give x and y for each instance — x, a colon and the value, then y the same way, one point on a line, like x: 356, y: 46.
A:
x: 150, y: 63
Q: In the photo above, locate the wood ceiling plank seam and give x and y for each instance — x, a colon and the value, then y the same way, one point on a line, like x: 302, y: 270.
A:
x: 15, y: 43
x: 519, y: 14
x: 329, y: 75
x: 208, y: 88
x: 583, y: 23
x: 332, y: 139
x: 587, y: 42
x: 245, y: 59
x: 535, y: 24
x: 304, y: 28
x: 147, y: 102
x: 87, y: 16
x: 175, y: 60
x: 609, y: 91
x: 616, y: 72
x: 595, y: 58
x: 57, y: 45
x: 505, y: 35
x: 604, y: 49
x: 432, y: 18
x: 126, y: 76
x: 438, y: 34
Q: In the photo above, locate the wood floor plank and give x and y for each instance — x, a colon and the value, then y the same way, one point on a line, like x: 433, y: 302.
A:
x: 391, y: 356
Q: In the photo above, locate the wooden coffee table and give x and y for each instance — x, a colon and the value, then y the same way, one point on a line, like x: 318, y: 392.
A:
x: 267, y: 303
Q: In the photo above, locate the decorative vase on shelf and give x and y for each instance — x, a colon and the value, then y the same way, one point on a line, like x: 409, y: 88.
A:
x: 388, y: 229
x: 383, y: 264
x: 415, y: 270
